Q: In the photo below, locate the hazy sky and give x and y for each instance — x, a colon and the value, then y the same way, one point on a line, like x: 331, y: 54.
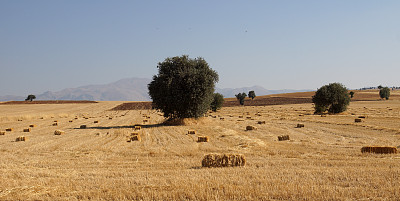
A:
x: 52, y: 45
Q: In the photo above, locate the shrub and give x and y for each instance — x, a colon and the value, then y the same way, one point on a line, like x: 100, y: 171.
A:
x: 384, y: 93
x: 241, y: 97
x: 333, y: 97
x: 252, y: 95
x: 183, y: 88
x: 30, y: 97
x: 217, y: 102
x: 351, y: 94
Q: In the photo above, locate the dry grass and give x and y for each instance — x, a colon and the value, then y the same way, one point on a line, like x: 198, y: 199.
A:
x: 322, y: 161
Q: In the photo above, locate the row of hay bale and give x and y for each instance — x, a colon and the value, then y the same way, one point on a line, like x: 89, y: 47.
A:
x: 134, y: 136
x: 199, y: 138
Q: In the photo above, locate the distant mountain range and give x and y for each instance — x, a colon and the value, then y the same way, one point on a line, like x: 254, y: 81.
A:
x: 130, y: 89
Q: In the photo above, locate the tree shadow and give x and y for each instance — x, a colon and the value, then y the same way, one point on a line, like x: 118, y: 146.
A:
x: 120, y: 127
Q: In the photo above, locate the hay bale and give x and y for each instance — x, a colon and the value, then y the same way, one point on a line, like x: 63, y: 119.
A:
x: 70, y: 121
x: 21, y: 138
x: 27, y: 130
x: 110, y: 118
x: 222, y: 118
x: 83, y: 127
x: 137, y: 128
x: 283, y: 137
x: 240, y: 116
x: 135, y: 136
x: 2, y: 133
x: 300, y: 126
x: 248, y: 117
x: 379, y: 150
x: 323, y: 115
x: 202, y: 139
x: 32, y: 125
x: 361, y: 117
x: 223, y: 160
x: 55, y: 124
x: 249, y: 128
x: 55, y: 121
x: 9, y: 129
x: 96, y: 122
x: 357, y: 120
x: 261, y: 122
x: 192, y: 132
x: 59, y: 132
x: 145, y: 120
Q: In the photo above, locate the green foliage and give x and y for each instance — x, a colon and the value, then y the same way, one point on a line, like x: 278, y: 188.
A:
x: 241, y: 97
x: 351, y: 94
x: 384, y: 92
x: 217, y: 102
x: 30, y: 97
x: 183, y: 88
x: 333, y: 97
x: 380, y: 87
x: 252, y: 95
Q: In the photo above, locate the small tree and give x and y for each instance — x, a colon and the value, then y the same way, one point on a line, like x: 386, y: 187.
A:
x: 241, y: 97
x: 183, y: 88
x: 384, y: 93
x: 333, y: 97
x: 217, y: 103
x: 30, y: 97
x: 252, y: 95
x: 351, y: 94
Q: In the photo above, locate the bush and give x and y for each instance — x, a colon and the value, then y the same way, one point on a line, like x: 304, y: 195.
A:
x: 333, y: 97
x: 217, y: 102
x: 384, y: 92
x: 252, y: 95
x: 30, y: 97
x: 183, y: 88
x: 241, y: 97
x: 351, y: 94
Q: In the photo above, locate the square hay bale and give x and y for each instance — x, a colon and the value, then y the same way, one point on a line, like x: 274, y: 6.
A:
x: 137, y: 128
x: 283, y: 137
x: 379, y: 150
x: 300, y: 126
x: 145, y: 120
x: 55, y: 121
x: 248, y: 117
x: 83, y: 127
x: 96, y: 122
x: 357, y: 120
x: 135, y: 136
x: 323, y: 115
x: 59, y: 132
x: 261, y: 122
x: 240, y: 116
x: 70, y: 121
x: 55, y: 124
x: 2, y: 133
x: 223, y: 160
x: 76, y: 118
x: 9, y: 129
x: 21, y: 138
x: 192, y: 132
x: 32, y: 125
x: 202, y: 139
x: 249, y: 128
x: 27, y: 130
x: 222, y: 118
x: 361, y: 117
x: 110, y: 118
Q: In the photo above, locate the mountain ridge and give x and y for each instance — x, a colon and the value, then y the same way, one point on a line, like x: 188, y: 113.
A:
x: 130, y: 89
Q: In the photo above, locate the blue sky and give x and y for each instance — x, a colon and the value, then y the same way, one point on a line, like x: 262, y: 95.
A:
x: 52, y: 45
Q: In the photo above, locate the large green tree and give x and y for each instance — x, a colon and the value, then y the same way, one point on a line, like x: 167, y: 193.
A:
x: 183, y: 88
x: 333, y: 97
x: 384, y: 92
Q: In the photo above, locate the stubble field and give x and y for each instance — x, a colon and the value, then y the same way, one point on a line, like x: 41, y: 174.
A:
x: 321, y: 161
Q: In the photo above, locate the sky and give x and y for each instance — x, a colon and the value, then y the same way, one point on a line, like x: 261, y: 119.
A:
x: 48, y: 45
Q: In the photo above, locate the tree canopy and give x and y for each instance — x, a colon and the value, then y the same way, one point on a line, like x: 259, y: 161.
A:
x: 183, y: 88
x: 333, y: 97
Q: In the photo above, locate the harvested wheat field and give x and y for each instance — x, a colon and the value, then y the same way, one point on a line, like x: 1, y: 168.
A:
x: 321, y: 161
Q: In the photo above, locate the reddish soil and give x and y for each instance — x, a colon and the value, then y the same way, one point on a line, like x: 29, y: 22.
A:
x: 46, y: 102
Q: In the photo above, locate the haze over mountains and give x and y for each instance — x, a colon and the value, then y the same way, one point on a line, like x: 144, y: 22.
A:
x: 129, y: 89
